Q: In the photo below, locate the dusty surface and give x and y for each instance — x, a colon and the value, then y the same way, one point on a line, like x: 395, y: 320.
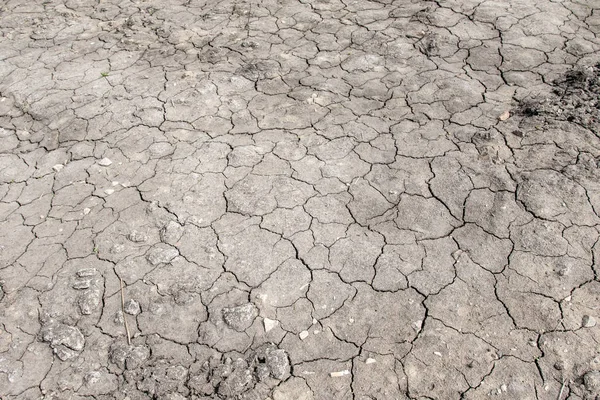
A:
x: 303, y: 199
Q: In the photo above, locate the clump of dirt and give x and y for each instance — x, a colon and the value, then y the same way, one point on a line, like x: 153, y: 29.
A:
x: 575, y: 98
x: 251, y: 377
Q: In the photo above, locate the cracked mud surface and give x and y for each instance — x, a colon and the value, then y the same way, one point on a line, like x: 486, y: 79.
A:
x: 299, y: 199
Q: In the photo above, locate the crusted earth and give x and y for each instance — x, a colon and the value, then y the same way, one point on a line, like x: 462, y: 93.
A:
x: 299, y: 199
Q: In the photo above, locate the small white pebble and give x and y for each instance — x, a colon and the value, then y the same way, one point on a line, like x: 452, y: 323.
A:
x: 270, y: 324
x: 370, y: 361
x: 303, y: 335
x: 588, y: 321
x: 105, y: 162
x: 504, y: 388
x: 58, y: 167
x: 86, y: 211
x: 115, y: 183
x: 109, y: 191
x: 437, y: 353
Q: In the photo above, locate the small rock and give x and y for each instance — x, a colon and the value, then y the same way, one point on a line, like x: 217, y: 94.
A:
x: 370, y: 361
x: 278, y: 362
x: 92, y: 377
x: 137, y: 237
x: 136, y: 357
x: 339, y: 374
x: 81, y: 284
x: 504, y: 388
x: 118, y: 319
x: 171, y: 232
x: 262, y: 372
x: 89, y: 301
x: 105, y: 162
x: 132, y: 307
x: 109, y: 191
x: 82, y: 273
x: 64, y: 353
x: 437, y: 353
x: 563, y: 271
x: 161, y: 255
x: 236, y: 383
x: 241, y: 317
x: 588, y: 321
x: 303, y: 335
x: 86, y: 211
x: 117, y: 248
x: 591, y: 380
x: 270, y: 324
x: 66, y: 341
x: 58, y: 167
x: 559, y: 365
x: 456, y: 255
x: 504, y: 116
x: 128, y: 357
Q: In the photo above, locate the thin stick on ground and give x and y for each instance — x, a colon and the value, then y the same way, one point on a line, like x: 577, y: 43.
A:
x: 562, y: 387
x: 123, y: 311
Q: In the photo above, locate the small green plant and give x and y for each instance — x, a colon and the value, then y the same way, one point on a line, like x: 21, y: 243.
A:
x: 104, y: 74
x: 95, y: 250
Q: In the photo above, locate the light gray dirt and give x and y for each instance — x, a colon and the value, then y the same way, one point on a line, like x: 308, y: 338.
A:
x: 299, y: 199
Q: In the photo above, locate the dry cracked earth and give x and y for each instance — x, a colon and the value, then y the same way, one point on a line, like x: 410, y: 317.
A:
x: 299, y: 199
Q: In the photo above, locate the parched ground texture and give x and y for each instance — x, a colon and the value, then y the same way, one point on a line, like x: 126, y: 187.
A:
x: 299, y: 199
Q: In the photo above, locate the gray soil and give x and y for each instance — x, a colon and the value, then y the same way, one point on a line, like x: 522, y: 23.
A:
x: 299, y: 199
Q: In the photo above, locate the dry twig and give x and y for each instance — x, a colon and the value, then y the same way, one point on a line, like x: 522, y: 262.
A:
x: 562, y: 387
x: 123, y: 311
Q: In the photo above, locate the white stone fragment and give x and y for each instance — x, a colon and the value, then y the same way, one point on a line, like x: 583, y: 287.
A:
x: 58, y: 167
x: 109, y: 191
x: 105, y: 162
x: 270, y: 324
x: 588, y: 321
x: 339, y: 374
x: 370, y: 361
x: 303, y: 335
